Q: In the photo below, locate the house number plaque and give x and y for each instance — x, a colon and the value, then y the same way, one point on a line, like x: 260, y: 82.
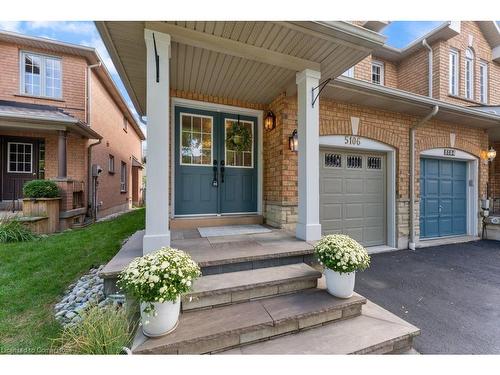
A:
x: 448, y: 152
x: 352, y: 140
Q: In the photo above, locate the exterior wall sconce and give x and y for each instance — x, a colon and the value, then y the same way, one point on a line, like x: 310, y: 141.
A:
x: 270, y: 121
x: 489, y: 155
x: 293, y: 141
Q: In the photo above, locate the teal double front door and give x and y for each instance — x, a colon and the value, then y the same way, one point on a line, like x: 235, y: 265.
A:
x: 215, y: 163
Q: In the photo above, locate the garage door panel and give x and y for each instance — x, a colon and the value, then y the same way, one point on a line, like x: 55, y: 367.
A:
x: 431, y: 206
x: 459, y: 206
x: 432, y: 167
x: 358, y: 208
x: 431, y: 187
x: 446, y: 207
x: 459, y: 188
x: 445, y: 168
x: 445, y: 226
x: 332, y: 185
x: 445, y: 188
x: 331, y: 211
x: 353, y: 185
x: 459, y: 224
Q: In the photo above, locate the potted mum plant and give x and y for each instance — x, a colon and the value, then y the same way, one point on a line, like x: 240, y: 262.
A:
x: 342, y: 257
x: 157, y: 280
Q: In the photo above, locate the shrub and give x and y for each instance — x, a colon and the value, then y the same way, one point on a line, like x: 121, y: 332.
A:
x: 159, y: 276
x: 40, y: 189
x: 12, y: 230
x: 341, y: 253
x: 102, y: 330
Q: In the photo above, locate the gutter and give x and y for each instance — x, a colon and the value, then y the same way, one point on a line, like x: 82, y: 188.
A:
x: 429, y: 76
x: 411, y: 244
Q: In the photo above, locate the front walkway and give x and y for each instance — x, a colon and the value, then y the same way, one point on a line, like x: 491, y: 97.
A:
x: 451, y: 292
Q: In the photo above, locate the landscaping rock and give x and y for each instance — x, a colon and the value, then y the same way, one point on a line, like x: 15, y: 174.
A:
x: 86, y: 291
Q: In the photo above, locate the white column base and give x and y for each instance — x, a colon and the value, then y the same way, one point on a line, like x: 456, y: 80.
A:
x: 152, y: 242
x: 308, y: 232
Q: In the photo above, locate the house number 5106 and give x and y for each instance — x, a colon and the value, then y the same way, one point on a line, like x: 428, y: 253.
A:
x: 351, y: 140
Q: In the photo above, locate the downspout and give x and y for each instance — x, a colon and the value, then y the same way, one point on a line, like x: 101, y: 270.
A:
x: 411, y: 244
x: 429, y: 78
x: 88, y: 107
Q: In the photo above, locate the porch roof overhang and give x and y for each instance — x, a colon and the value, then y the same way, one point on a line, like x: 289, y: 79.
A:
x: 248, y: 61
x: 363, y: 93
x: 23, y: 116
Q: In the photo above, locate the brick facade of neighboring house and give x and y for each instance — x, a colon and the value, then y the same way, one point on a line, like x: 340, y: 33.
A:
x: 104, y: 113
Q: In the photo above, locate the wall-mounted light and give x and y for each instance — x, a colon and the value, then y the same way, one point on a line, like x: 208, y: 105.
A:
x: 293, y: 141
x: 270, y: 121
x: 489, y: 155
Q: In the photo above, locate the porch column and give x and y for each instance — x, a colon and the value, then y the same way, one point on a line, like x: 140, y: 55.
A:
x: 158, y: 120
x: 308, y: 226
x: 62, y: 164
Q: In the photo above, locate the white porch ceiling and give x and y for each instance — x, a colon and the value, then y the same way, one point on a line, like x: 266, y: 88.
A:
x: 250, y: 61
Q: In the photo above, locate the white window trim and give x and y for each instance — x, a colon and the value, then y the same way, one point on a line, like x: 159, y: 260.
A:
x: 8, y: 156
x: 380, y: 64
x: 453, y: 85
x: 42, y: 74
x: 349, y: 72
x: 225, y: 148
x: 469, y: 75
x: 123, y: 183
x: 483, y: 79
x: 210, y: 165
x: 111, y: 163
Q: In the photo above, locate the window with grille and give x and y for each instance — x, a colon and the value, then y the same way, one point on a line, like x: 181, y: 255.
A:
x: 333, y: 160
x: 123, y: 177
x: 354, y: 162
x: 377, y: 72
x: 19, y: 157
x: 111, y: 164
x: 41, y: 75
x: 374, y: 162
x: 453, y: 72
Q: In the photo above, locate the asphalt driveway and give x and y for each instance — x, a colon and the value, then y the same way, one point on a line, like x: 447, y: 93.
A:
x: 451, y: 292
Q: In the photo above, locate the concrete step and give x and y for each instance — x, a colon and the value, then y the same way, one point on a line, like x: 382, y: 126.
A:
x: 213, y: 221
x: 220, y: 328
x: 245, y: 252
x: 236, y: 287
x: 375, y: 331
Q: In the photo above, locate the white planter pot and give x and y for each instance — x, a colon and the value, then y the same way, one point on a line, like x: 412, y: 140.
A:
x: 340, y: 284
x: 163, y: 320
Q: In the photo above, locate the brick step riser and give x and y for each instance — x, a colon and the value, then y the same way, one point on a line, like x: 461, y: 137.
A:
x: 258, y: 263
x: 398, y: 346
x: 228, y: 341
x: 244, y: 295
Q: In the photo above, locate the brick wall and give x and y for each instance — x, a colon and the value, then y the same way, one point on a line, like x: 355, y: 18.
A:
x: 107, y: 119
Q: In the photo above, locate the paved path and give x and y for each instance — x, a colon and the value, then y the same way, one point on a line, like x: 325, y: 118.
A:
x: 451, y: 292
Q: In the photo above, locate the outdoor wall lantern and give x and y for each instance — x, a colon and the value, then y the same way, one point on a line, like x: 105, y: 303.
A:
x: 293, y: 141
x: 270, y: 121
x: 489, y: 155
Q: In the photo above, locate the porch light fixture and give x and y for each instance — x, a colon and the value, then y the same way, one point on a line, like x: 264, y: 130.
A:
x: 293, y: 141
x: 489, y: 155
x: 270, y: 121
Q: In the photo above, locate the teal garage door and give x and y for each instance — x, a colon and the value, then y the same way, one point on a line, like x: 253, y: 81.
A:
x: 443, y: 198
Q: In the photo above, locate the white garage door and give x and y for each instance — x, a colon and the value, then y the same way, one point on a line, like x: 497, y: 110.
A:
x: 353, y: 195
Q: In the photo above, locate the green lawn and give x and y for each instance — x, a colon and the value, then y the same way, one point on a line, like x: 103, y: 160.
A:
x: 34, y: 275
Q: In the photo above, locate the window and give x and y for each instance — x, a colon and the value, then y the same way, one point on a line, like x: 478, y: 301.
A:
x: 349, y: 72
x: 196, y: 140
x: 333, y: 160
x: 377, y: 73
x: 469, y: 74
x: 111, y: 164
x: 354, y: 162
x: 483, y: 81
x: 125, y: 123
x: 41, y: 75
x: 19, y: 157
x: 453, y: 73
x: 239, y: 154
x: 374, y: 162
x: 123, y: 177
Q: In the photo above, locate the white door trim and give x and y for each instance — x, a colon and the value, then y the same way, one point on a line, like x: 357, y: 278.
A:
x: 472, y: 182
x: 365, y: 144
x: 214, y: 107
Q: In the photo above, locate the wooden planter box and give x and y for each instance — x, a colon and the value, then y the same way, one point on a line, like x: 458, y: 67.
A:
x: 44, y: 207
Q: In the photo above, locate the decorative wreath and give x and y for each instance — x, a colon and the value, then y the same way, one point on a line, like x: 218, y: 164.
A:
x: 239, y: 138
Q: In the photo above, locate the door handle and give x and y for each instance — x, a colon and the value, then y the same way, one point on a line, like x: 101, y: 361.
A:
x: 215, y: 182
x: 222, y: 169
